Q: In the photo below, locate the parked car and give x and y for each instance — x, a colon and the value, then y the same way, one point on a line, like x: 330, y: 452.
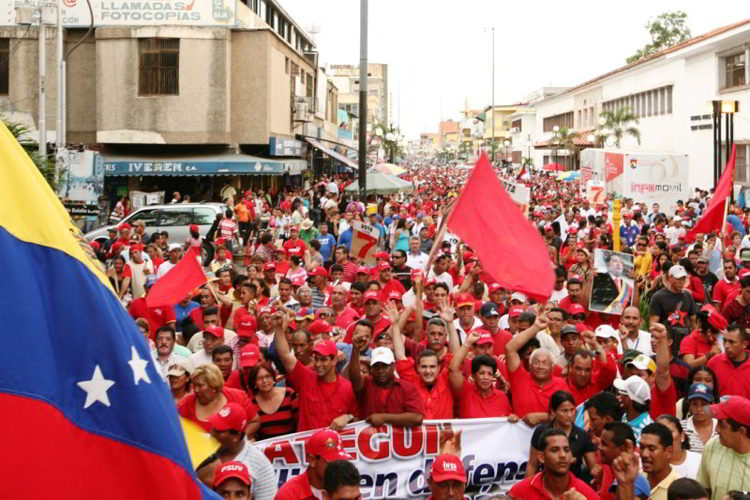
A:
x: 175, y: 219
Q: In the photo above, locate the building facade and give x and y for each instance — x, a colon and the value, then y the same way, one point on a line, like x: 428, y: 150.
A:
x: 346, y: 78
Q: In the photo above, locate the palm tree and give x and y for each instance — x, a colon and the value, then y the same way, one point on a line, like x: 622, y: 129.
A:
x: 22, y: 134
x: 564, y: 138
x: 527, y: 162
x: 619, y: 123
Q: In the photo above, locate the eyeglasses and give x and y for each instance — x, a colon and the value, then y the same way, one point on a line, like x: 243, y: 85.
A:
x: 325, y: 315
x: 264, y: 378
x: 579, y: 317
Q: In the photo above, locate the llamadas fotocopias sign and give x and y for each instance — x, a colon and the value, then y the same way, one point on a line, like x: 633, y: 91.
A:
x: 395, y: 462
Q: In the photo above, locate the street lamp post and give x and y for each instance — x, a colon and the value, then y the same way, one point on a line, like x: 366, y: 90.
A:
x: 493, y: 95
x: 507, y: 147
x: 363, y: 100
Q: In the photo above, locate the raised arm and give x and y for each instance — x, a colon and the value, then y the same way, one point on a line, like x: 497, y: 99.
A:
x: 419, y: 306
x: 399, y: 351
x: 448, y: 313
x: 659, y: 333
x: 512, y: 359
x: 355, y: 372
x: 456, y: 376
x: 283, y: 350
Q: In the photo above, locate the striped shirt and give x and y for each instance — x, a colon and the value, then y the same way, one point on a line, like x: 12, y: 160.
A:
x: 265, y: 485
x: 722, y: 469
x: 318, y: 298
x: 282, y: 421
x: 696, y: 444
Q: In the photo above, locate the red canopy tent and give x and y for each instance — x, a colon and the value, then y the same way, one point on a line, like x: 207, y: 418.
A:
x: 556, y: 167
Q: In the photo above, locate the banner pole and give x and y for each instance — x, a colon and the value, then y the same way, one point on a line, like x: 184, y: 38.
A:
x: 616, y: 226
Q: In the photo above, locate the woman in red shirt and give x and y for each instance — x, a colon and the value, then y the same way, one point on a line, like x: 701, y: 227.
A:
x: 277, y: 406
x: 210, y: 396
x: 568, y: 250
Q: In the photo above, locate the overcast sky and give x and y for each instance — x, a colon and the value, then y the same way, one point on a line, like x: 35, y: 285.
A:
x: 440, y: 51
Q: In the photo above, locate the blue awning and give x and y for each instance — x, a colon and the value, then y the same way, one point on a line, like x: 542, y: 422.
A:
x: 221, y: 164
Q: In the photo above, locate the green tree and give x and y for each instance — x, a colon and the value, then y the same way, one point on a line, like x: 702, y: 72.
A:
x: 527, y: 162
x: 22, y: 134
x: 465, y: 149
x: 666, y: 30
x: 618, y: 124
x: 564, y: 138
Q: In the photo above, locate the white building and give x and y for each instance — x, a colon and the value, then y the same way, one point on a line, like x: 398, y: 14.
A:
x: 671, y: 92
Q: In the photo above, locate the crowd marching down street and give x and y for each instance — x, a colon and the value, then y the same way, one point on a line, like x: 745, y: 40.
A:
x: 298, y: 325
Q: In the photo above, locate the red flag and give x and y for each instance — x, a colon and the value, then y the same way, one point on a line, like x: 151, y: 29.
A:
x: 521, y: 173
x: 177, y: 283
x: 510, y: 247
x: 713, y: 216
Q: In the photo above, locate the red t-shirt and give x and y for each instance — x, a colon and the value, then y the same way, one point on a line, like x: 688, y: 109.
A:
x: 602, y: 377
x: 722, y: 290
x: 733, y: 381
x: 533, y: 488
x: 400, y: 397
x: 473, y: 405
x: 320, y: 402
x: 233, y: 382
x: 530, y: 397
x: 438, y: 403
x: 296, y: 488
x: 296, y: 247
x: 663, y: 402
x: 346, y: 317
x: 501, y: 338
x: 392, y: 286
x: 156, y: 316
x: 695, y: 344
x: 381, y: 325
x: 735, y: 312
x: 188, y: 406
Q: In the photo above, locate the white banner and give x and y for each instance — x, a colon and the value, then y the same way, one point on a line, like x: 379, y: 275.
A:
x: 395, y: 462
x: 520, y: 193
x: 141, y: 13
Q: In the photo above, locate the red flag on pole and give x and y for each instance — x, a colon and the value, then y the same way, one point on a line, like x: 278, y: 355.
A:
x: 714, y: 214
x: 521, y: 173
x: 510, y: 247
x: 183, y: 278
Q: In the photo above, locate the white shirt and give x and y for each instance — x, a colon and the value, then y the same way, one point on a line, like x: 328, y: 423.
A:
x: 548, y: 342
x: 444, y: 278
x: 642, y: 343
x: 462, y: 334
x: 164, y: 268
x: 418, y: 261
x: 556, y: 296
x: 688, y: 468
x: 265, y: 485
x: 138, y: 277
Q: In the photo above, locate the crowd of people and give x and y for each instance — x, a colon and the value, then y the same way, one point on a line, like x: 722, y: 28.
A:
x: 293, y: 333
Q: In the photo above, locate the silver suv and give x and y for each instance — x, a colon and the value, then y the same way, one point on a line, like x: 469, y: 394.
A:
x: 172, y: 218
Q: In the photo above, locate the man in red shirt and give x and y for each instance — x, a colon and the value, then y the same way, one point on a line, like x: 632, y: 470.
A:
x: 447, y: 478
x: 295, y: 245
x: 656, y: 374
x: 556, y: 479
x: 732, y: 367
x: 738, y: 310
x: 156, y: 316
x: 387, y: 283
x: 383, y: 398
x: 724, y: 288
x: 532, y: 389
x: 481, y: 398
x: 373, y: 314
x: 325, y: 398
x: 588, y: 376
x: 322, y: 448
x: 490, y: 321
x: 345, y: 315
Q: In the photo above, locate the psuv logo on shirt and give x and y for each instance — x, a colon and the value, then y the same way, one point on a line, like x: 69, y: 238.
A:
x: 225, y: 412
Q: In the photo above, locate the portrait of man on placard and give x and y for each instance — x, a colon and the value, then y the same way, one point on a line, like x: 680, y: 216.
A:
x: 613, y: 287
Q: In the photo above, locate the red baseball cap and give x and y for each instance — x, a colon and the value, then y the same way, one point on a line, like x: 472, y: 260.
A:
x: 193, y: 228
x: 326, y: 444
x: 743, y: 272
x: 319, y: 327
x: 465, y: 299
x: 448, y: 467
x: 371, y: 295
x: 382, y: 256
x: 394, y: 295
x: 266, y: 310
x: 318, y: 271
x: 735, y: 407
x: 269, y: 266
x: 298, y: 282
x: 485, y: 337
x: 384, y: 265
x: 135, y: 247
x: 247, y: 326
x: 495, y: 287
x: 249, y: 356
x: 576, y: 309
x: 325, y: 348
x: 216, y: 331
x: 363, y: 270
x: 232, y: 417
x: 233, y: 470
x: 516, y: 311
x: 468, y: 256
x: 124, y: 226
x: 573, y: 230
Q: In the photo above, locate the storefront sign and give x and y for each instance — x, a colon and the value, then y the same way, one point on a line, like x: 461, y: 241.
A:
x: 249, y: 167
x: 141, y: 13
x: 279, y: 146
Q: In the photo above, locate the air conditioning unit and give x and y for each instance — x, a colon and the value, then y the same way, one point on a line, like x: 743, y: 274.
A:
x: 300, y: 111
x: 515, y: 130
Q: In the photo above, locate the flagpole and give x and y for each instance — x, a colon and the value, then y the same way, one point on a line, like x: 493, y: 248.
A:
x: 724, y: 219
x: 439, y: 238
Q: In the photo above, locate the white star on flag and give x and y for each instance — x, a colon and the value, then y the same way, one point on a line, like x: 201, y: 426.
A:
x: 96, y: 388
x: 138, y: 366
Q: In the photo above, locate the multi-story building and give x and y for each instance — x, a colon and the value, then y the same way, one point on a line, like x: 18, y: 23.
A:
x: 450, y: 135
x: 429, y: 141
x: 671, y: 93
x: 346, y: 78
x: 523, y: 125
x: 497, y: 118
x: 181, y: 100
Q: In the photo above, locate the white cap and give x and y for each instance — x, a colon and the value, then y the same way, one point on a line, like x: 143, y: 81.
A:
x: 175, y: 246
x: 518, y: 296
x: 382, y: 355
x: 605, y: 331
x: 635, y: 387
x: 677, y: 272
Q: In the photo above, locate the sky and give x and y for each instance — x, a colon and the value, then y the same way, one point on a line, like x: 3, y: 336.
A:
x: 439, y: 52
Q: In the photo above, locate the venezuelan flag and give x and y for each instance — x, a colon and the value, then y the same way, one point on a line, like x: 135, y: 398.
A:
x: 83, y: 412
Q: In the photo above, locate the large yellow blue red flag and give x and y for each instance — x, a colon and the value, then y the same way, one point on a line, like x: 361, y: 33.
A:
x: 83, y: 412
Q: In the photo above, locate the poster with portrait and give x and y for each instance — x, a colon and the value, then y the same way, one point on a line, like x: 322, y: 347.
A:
x: 613, y: 288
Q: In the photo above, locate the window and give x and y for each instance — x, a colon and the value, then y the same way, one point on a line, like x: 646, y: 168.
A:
x: 561, y: 120
x: 734, y: 70
x: 517, y: 125
x: 4, y: 65
x: 262, y: 9
x: 159, y: 66
x: 176, y: 217
x: 652, y: 102
x: 310, y: 86
x: 286, y: 65
x: 147, y: 215
x: 203, y: 216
